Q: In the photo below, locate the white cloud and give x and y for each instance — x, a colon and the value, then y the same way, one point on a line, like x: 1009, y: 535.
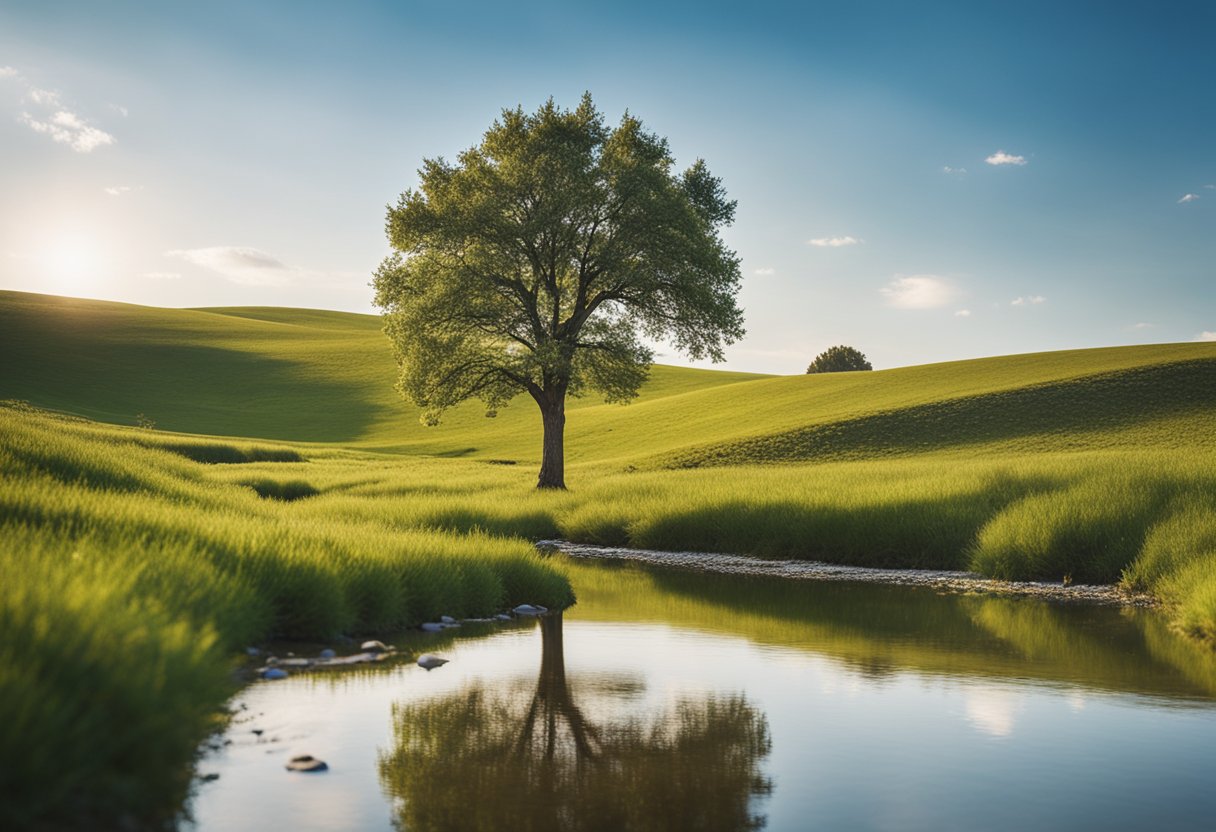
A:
x: 240, y: 264
x: 1141, y: 325
x: 963, y: 313
x: 8, y: 72
x: 919, y: 291
x: 1206, y: 336
x: 955, y: 171
x: 122, y: 111
x: 118, y: 190
x: 765, y: 271
x: 43, y: 98
x: 1210, y: 187
x: 833, y: 242
x: 1003, y: 158
x: 1029, y: 300
x: 1188, y: 198
x: 68, y: 128
x: 163, y: 275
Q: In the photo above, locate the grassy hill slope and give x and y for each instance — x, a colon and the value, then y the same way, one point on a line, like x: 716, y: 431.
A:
x: 318, y: 376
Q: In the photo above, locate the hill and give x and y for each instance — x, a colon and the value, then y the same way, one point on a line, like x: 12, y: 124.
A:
x: 319, y: 376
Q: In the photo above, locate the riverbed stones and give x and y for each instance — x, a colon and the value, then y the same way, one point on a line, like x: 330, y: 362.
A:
x: 272, y: 673
x: 429, y: 661
x: 327, y: 653
x: 446, y: 619
x: 373, y: 646
x: 306, y: 762
x: 530, y: 609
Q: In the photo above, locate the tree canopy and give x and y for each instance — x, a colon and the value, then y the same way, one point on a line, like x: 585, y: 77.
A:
x: 840, y: 359
x: 544, y: 257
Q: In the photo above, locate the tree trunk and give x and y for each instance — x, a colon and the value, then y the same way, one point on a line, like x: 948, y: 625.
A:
x: 553, y: 457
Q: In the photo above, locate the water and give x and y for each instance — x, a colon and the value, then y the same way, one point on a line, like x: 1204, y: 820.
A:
x: 668, y: 700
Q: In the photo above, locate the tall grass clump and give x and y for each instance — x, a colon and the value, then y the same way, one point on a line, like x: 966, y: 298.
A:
x: 132, y: 576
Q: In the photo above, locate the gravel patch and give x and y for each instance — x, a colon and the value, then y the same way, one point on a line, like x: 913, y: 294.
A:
x: 941, y: 580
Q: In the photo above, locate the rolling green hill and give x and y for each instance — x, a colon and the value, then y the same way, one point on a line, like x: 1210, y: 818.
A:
x: 317, y: 376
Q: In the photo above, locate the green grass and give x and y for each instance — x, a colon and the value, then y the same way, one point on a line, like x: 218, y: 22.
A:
x: 134, y: 574
x: 287, y: 490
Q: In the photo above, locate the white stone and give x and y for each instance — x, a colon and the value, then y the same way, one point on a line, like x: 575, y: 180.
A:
x: 429, y: 661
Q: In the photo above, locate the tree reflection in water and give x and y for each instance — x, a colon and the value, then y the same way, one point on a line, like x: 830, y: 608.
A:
x: 496, y: 758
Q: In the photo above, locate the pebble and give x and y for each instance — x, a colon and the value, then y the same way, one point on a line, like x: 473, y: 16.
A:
x: 306, y: 762
x: 529, y: 609
x: 327, y: 653
x: 429, y: 661
x: 374, y: 646
x: 272, y: 673
x: 432, y: 627
x: 502, y: 616
x: 252, y: 651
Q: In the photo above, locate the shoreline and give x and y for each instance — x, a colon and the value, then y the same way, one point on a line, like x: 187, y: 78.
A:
x: 939, y: 579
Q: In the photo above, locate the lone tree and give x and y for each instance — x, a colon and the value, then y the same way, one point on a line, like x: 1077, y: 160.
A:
x: 539, y: 260
x: 840, y: 359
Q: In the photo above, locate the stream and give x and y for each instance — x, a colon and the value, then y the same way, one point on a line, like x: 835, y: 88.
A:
x: 672, y: 699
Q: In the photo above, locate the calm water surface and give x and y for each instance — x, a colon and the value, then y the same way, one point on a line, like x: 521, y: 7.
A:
x: 668, y: 700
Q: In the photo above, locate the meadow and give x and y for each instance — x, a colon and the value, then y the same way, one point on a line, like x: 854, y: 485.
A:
x: 279, y: 487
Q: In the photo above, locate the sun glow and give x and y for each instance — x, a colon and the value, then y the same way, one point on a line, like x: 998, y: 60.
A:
x: 71, y: 260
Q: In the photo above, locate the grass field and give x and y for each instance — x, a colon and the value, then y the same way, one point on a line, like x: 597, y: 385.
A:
x: 287, y: 490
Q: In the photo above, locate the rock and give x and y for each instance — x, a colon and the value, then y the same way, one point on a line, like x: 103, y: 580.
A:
x: 374, y: 646
x: 209, y: 777
x: 259, y: 731
x: 502, y: 616
x: 432, y: 627
x: 252, y: 651
x: 271, y: 661
x: 429, y: 661
x: 306, y: 762
x: 446, y: 619
x: 272, y: 673
x: 327, y: 653
x: 529, y: 609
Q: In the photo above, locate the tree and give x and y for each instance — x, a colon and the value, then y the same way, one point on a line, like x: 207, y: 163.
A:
x: 839, y: 359
x: 540, y: 259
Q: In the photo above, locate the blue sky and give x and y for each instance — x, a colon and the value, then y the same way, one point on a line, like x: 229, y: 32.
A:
x: 925, y: 182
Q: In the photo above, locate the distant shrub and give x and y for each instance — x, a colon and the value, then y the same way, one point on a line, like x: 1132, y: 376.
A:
x: 839, y: 359
x: 144, y: 421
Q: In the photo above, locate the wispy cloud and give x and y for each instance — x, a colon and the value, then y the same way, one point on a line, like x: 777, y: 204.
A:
x: 119, y: 190
x: 1003, y: 158
x: 946, y: 169
x: 122, y: 111
x: 833, y: 242
x: 1210, y: 187
x: 919, y: 291
x: 163, y: 275
x: 1029, y: 300
x: 43, y: 98
x: 68, y: 128
x: 1141, y: 325
x: 765, y: 271
x: 240, y: 264
x: 1188, y: 198
x: 963, y: 313
x: 57, y: 121
x: 1206, y: 336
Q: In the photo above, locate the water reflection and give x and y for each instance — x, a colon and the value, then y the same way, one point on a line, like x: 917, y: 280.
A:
x: 570, y: 757
x: 878, y: 631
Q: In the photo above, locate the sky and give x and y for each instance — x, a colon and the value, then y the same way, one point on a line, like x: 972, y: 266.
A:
x: 922, y: 181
